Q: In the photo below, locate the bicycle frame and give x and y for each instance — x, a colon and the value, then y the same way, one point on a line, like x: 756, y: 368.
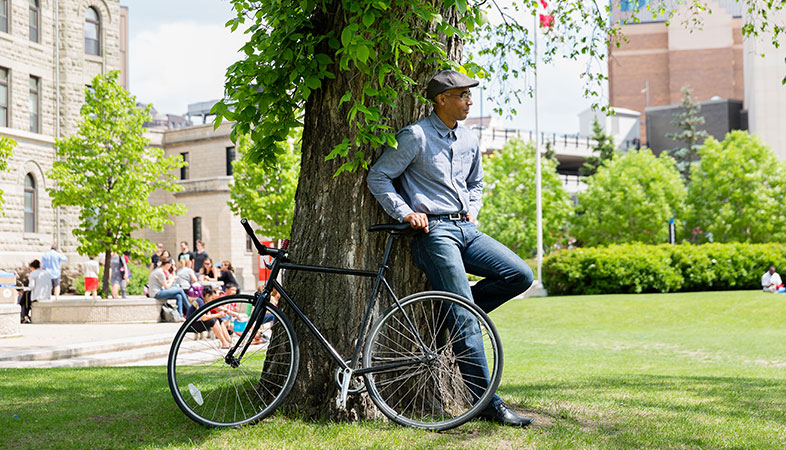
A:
x: 262, y: 300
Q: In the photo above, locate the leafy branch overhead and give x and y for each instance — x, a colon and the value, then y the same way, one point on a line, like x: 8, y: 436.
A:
x: 295, y: 48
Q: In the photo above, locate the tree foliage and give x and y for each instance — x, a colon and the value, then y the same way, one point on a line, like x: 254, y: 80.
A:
x: 604, y: 147
x: 6, y: 152
x: 508, y: 211
x: 266, y: 195
x: 630, y: 199
x: 737, y: 192
x: 109, y: 173
x: 688, y: 120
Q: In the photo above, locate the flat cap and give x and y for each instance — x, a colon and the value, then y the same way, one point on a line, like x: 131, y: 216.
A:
x: 448, y: 79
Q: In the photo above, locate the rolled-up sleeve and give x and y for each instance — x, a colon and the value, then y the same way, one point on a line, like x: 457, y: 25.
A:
x: 389, y: 166
x: 475, y: 184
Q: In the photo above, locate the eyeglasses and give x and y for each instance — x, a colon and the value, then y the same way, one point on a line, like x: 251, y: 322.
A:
x: 466, y: 95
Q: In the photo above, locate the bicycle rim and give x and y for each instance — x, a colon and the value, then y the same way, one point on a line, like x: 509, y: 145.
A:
x: 440, y: 387
x: 214, y: 393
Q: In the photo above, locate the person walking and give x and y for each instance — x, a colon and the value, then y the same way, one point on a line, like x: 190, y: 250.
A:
x: 438, y: 163
x: 118, y: 275
x: 51, y: 262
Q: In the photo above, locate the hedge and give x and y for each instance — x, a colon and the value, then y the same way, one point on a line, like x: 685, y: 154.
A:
x: 635, y: 268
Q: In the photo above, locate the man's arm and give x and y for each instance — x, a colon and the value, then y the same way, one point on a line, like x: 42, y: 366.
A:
x: 390, y: 166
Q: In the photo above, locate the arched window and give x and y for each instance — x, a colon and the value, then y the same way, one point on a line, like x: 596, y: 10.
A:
x: 92, y: 32
x: 31, y: 204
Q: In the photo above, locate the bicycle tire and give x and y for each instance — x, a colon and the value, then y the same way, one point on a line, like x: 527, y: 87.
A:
x: 212, y: 392
x: 432, y: 394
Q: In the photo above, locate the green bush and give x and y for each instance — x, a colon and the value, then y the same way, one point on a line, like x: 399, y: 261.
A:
x: 634, y: 268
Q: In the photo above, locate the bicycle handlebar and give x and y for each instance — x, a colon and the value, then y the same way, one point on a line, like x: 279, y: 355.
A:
x: 263, y: 250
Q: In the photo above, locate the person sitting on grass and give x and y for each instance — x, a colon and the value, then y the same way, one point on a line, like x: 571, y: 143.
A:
x: 211, y: 320
x: 771, y: 281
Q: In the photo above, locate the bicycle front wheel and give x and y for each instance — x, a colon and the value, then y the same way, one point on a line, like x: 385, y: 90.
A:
x: 217, y: 393
x: 437, y: 361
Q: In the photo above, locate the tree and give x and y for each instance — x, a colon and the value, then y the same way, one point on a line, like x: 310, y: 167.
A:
x: 737, y: 191
x: 688, y: 120
x: 630, y: 199
x: 107, y: 171
x: 6, y: 152
x: 266, y: 196
x: 604, y: 147
x: 508, y: 211
x: 351, y: 73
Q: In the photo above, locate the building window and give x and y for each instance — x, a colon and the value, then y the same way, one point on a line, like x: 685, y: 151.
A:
x: 249, y: 244
x: 35, y: 104
x: 4, y: 16
x: 30, y: 204
x: 630, y: 5
x: 3, y: 97
x: 196, y: 229
x: 230, y: 158
x: 184, y: 169
x: 35, y: 20
x: 92, y: 32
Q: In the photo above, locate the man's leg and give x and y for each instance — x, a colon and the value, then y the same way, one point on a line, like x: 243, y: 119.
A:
x: 505, y: 274
x: 438, y: 254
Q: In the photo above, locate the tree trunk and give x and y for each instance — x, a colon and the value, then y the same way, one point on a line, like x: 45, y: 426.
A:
x: 105, y: 279
x: 329, y: 228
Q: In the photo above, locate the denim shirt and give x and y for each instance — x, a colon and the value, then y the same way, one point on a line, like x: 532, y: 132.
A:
x: 439, y: 168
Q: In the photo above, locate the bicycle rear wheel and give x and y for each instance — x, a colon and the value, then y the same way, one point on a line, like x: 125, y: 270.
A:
x: 215, y: 393
x: 446, y: 380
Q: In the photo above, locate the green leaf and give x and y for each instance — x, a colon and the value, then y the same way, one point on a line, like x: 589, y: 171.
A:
x: 368, y: 19
x: 362, y: 53
x: 461, y: 5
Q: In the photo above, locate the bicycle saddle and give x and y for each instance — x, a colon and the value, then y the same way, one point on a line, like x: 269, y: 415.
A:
x: 393, y: 228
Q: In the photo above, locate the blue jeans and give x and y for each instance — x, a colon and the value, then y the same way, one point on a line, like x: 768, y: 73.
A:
x: 176, y: 293
x: 449, y: 251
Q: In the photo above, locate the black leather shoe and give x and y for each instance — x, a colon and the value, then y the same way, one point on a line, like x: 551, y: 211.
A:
x: 504, y: 415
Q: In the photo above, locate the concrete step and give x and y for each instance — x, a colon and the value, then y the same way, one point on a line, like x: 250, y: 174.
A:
x: 110, y: 358
x: 86, y: 349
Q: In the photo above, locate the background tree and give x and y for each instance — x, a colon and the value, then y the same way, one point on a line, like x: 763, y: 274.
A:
x: 688, y: 120
x: 508, y: 211
x: 737, y: 191
x: 265, y: 195
x: 109, y: 173
x: 351, y: 73
x: 630, y: 199
x: 6, y: 151
x: 603, y: 146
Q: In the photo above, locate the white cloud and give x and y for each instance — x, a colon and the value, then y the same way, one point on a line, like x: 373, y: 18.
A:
x: 179, y: 63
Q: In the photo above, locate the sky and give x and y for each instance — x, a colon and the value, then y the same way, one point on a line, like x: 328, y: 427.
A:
x: 179, y: 51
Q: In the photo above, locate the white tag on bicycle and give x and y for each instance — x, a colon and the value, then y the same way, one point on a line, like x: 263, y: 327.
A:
x: 195, y: 393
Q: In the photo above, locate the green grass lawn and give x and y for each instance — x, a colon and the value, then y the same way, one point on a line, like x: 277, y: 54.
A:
x: 667, y: 371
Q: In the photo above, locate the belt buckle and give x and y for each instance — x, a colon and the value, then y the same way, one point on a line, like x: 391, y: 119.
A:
x: 454, y: 216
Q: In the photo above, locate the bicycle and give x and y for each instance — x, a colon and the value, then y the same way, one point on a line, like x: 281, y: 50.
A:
x: 417, y: 365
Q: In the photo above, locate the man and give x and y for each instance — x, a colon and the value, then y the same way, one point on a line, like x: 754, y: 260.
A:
x: 439, y: 166
x: 186, y: 254
x: 770, y: 281
x: 51, y: 262
x: 160, y: 286
x: 200, y: 255
x: 156, y: 256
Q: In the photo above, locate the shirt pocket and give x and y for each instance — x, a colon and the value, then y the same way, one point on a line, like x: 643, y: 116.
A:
x: 435, y: 166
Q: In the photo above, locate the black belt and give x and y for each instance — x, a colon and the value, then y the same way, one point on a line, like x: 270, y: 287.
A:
x: 455, y: 217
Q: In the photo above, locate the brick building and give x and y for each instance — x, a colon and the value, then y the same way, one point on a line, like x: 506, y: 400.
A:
x: 658, y: 61
x: 50, y: 50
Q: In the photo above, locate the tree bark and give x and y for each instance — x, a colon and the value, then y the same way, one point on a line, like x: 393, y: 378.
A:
x: 329, y: 228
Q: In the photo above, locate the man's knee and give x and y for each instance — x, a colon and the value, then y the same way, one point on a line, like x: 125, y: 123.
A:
x: 520, y: 278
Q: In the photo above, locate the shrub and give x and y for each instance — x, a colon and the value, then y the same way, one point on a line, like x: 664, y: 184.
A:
x: 634, y: 268
x: 136, y: 284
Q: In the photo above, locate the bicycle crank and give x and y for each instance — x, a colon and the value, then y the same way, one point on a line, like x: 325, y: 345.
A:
x: 356, y: 386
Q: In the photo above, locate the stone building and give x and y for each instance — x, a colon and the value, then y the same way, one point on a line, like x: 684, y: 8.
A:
x: 658, y: 60
x: 205, y: 194
x: 50, y: 50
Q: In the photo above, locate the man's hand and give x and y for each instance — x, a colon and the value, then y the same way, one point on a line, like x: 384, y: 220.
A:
x: 417, y: 221
x: 470, y: 218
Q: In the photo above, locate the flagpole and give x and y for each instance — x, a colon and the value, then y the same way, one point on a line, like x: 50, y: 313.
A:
x: 538, y: 193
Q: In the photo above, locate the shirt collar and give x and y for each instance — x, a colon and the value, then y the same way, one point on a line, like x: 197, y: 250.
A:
x: 439, y: 125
